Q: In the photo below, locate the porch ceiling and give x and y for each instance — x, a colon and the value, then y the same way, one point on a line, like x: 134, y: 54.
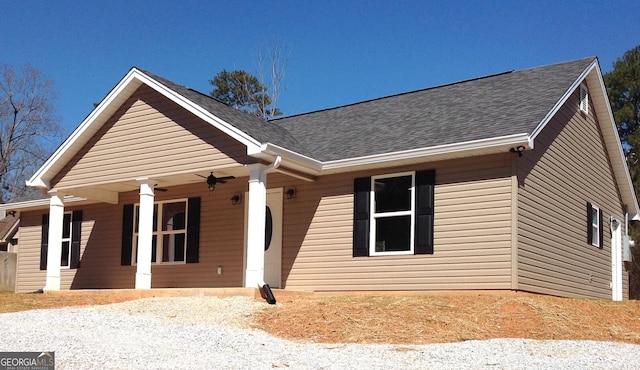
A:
x: 108, y: 192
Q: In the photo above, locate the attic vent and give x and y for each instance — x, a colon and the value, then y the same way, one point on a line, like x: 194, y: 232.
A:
x: 584, y: 99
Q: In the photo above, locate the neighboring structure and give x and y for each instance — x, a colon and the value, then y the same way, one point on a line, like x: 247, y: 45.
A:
x: 9, y: 225
x: 478, y: 185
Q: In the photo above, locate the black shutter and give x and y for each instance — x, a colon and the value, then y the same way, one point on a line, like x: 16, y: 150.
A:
x: 425, y: 189
x: 44, y: 242
x: 76, y: 227
x: 127, y: 235
x: 600, y: 231
x: 361, y: 213
x: 193, y: 230
x: 589, y: 223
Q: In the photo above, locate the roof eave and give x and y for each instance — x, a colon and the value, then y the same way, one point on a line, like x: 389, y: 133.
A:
x: 436, y: 153
x: 38, y: 203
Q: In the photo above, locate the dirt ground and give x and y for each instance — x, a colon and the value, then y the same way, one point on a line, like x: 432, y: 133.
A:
x: 421, y: 319
x: 412, y: 319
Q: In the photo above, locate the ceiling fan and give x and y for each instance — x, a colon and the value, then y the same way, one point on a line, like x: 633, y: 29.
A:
x: 159, y: 189
x: 212, y: 180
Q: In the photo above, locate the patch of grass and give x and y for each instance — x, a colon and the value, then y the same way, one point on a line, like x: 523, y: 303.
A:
x: 13, y: 302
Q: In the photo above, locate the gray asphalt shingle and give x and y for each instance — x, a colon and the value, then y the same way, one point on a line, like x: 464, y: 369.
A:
x: 492, y: 106
x: 498, y: 105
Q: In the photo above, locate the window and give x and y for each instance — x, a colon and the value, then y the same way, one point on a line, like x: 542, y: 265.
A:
x: 169, y: 240
x: 584, y: 99
x: 595, y: 230
x: 393, y: 214
x: 70, y: 248
x: 175, y: 235
x: 65, y: 257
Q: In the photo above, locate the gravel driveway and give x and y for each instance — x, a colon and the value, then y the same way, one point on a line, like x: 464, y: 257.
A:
x: 213, y: 333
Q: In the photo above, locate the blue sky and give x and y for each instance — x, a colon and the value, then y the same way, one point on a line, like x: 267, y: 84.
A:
x: 340, y: 51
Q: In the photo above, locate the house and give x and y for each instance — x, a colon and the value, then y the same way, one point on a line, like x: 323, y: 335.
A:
x: 514, y: 181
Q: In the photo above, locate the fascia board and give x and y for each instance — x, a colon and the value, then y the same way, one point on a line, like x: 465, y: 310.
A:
x: 38, y: 203
x: 314, y: 166
x: 612, y: 141
x: 440, y: 152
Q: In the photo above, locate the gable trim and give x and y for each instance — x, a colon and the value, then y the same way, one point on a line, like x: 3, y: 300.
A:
x: 576, y: 84
x: 108, y: 106
x: 602, y: 109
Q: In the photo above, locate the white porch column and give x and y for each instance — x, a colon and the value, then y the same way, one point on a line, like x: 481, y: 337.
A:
x: 254, y: 275
x: 145, y: 235
x: 54, y: 241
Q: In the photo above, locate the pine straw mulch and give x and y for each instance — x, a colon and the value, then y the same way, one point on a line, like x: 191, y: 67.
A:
x: 12, y: 302
x: 423, y: 319
x: 411, y: 319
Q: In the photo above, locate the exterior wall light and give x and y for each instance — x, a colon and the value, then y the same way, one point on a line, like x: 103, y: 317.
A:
x: 517, y: 149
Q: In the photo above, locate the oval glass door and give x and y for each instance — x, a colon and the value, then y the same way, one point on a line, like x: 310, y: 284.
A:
x: 268, y: 229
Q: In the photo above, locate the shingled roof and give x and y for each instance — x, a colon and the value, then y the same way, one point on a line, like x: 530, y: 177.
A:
x: 509, y: 103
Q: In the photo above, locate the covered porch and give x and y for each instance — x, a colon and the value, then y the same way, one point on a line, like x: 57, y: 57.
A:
x: 173, y: 220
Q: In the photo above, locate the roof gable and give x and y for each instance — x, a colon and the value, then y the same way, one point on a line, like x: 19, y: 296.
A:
x: 238, y: 125
x: 161, y: 140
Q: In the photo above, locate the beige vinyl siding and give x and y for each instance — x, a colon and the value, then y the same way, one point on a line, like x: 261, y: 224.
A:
x: 154, y: 137
x: 472, y: 234
x: 221, y: 244
x: 29, y: 277
x: 568, y: 168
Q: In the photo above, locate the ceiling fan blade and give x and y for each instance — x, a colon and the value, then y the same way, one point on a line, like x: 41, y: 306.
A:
x: 225, y: 178
x: 159, y: 189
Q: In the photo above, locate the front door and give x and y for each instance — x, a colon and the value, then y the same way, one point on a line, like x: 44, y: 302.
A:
x: 616, y: 260
x: 273, y: 239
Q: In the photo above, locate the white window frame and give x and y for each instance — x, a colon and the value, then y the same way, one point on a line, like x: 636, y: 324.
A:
x: 69, y: 239
x: 374, y: 216
x: 595, y: 227
x: 159, y: 233
x: 584, y: 99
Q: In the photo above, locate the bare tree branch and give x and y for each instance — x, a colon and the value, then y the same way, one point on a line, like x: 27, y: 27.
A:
x: 27, y: 127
